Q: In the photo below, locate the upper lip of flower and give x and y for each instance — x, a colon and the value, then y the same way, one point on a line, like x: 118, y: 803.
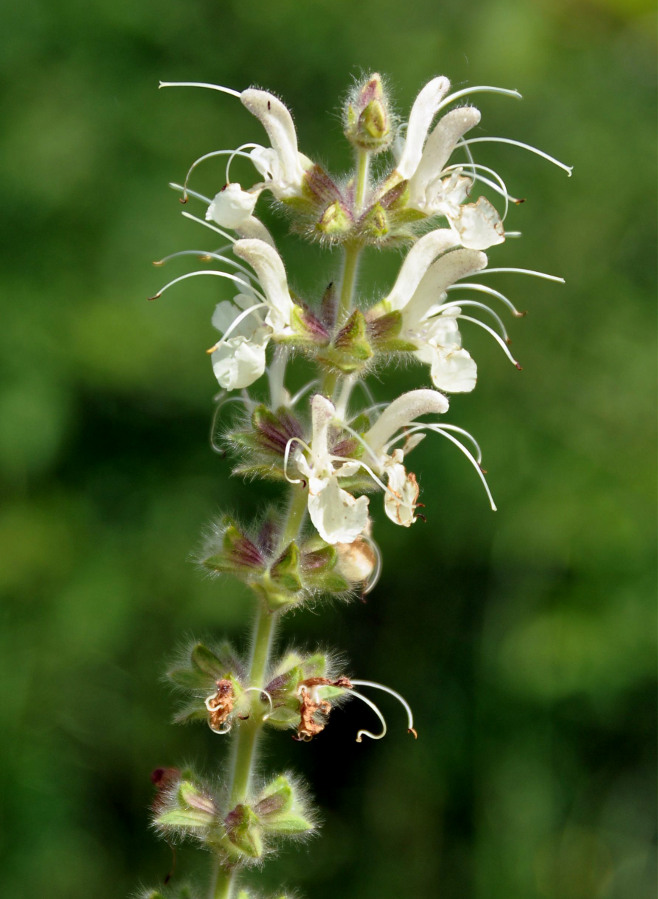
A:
x: 282, y: 164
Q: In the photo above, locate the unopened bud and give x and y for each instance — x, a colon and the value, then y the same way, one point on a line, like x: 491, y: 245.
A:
x: 367, y: 120
x: 336, y: 220
x: 357, y: 561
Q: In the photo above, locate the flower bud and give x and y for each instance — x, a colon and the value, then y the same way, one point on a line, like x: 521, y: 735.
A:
x: 366, y: 119
x: 244, y: 831
x: 351, y: 349
x: 335, y: 221
x: 281, y: 809
x: 357, y: 561
x: 187, y: 809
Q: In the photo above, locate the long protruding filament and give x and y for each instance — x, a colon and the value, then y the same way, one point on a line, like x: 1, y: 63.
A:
x: 212, y: 87
x: 367, y: 733
x: 234, y: 324
x: 520, y: 271
x: 377, y: 686
x: 226, y: 275
x: 517, y: 143
x: 484, y: 288
x: 478, y: 89
x: 374, y: 577
x: 416, y: 427
x: 207, y: 255
x: 459, y: 304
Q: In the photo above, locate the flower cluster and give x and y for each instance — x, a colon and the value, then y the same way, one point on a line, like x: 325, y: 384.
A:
x: 332, y: 449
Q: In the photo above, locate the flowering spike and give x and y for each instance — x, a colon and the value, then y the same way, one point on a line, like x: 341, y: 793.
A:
x: 324, y: 439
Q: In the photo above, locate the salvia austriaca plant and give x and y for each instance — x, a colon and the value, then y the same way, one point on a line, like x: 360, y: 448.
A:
x: 329, y: 446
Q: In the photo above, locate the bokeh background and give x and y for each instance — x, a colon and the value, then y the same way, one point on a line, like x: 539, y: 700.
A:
x: 524, y: 639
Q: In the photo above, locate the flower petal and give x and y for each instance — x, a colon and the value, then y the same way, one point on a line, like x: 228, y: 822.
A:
x: 423, y: 111
x: 232, y: 206
x: 267, y: 264
x: 439, y: 147
x: 336, y: 514
x: 452, y: 266
x: 402, y: 495
x: 401, y: 412
x: 416, y: 263
x: 452, y: 368
x: 238, y: 361
x: 277, y: 121
x: 479, y: 226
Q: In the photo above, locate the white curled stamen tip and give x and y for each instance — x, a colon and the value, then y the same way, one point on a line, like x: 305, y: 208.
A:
x: 286, y: 459
x: 262, y: 692
x: 377, y: 686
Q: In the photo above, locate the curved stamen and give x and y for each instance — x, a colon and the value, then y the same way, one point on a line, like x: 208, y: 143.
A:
x: 500, y: 188
x: 206, y: 256
x: 286, y: 459
x: 517, y: 143
x: 520, y: 271
x: 484, y: 288
x: 478, y: 89
x: 189, y: 193
x: 221, y: 401
x: 438, y: 429
x: 238, y: 152
x: 231, y: 153
x: 303, y: 390
x: 234, y: 324
x: 374, y: 577
x: 362, y: 441
x: 206, y: 224
x: 458, y: 304
x: 366, y: 468
x: 367, y: 733
x: 442, y: 430
x: 212, y: 87
x: 377, y: 686
x: 262, y: 692
x: 368, y: 393
x: 496, y: 336
x: 227, y: 275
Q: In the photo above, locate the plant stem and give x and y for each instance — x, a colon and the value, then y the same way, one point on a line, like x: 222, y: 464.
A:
x: 246, y: 743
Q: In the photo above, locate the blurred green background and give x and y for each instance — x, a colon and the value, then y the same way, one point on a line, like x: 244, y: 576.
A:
x: 524, y: 639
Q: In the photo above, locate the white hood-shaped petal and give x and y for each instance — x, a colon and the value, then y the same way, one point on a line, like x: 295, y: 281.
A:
x: 438, y: 149
x: 239, y: 361
x: 401, y: 498
x: 232, y: 206
x: 422, y: 113
x: 267, y: 264
x: 225, y: 314
x: 336, y: 514
x: 286, y: 169
x: 416, y: 263
x: 401, y: 412
x: 451, y: 368
x: 452, y: 266
x: 478, y: 225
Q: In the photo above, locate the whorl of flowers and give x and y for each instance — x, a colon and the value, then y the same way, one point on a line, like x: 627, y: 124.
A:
x: 333, y: 447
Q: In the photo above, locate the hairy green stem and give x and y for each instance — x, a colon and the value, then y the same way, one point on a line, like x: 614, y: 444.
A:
x: 246, y: 742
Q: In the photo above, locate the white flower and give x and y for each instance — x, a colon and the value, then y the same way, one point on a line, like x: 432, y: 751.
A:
x: 401, y: 495
x: 238, y: 359
x: 281, y: 165
x: 336, y: 514
x: 421, y: 285
x: 432, y: 189
x: 397, y: 424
